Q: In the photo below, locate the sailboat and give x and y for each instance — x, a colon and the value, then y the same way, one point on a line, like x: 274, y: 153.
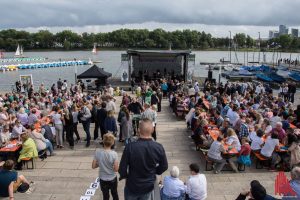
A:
x: 19, y: 52
x: 94, y: 51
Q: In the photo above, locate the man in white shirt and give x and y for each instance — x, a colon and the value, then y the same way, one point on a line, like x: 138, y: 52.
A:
x: 111, y: 105
x: 197, y: 89
x: 233, y: 115
x: 274, y: 119
x: 111, y: 91
x: 196, y: 186
x: 268, y: 150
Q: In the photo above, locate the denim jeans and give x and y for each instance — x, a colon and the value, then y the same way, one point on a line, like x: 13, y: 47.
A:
x: 109, y: 185
x: 166, y: 197
x: 129, y: 196
x: 49, y: 146
x: 86, y: 128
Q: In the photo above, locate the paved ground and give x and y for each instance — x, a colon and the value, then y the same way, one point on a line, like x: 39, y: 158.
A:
x: 68, y: 175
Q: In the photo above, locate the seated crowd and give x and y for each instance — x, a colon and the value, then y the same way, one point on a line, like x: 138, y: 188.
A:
x: 233, y: 120
x: 227, y: 122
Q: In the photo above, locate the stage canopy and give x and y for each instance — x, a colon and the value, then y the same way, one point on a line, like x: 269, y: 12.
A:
x: 94, y: 72
x: 151, y: 64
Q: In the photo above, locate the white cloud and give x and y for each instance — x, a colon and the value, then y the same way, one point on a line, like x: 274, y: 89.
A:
x: 214, y: 16
x: 33, y: 13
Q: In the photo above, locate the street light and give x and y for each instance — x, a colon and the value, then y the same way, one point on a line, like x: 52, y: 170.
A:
x: 230, y: 46
x: 258, y: 47
x: 75, y: 71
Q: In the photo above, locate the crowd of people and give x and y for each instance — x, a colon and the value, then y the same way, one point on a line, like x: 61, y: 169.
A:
x: 249, y: 117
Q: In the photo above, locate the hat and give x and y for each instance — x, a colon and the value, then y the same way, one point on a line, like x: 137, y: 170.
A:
x: 257, y: 190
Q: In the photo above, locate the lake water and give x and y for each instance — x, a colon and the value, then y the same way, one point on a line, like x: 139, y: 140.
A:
x: 111, y: 62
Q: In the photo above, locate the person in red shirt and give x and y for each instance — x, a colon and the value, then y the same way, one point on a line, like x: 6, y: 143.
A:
x: 244, y: 153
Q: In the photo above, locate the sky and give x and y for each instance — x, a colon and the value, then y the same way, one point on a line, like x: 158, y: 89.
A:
x: 217, y: 17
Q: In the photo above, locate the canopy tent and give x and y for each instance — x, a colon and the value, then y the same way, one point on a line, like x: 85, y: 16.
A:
x: 94, y: 72
x: 97, y: 73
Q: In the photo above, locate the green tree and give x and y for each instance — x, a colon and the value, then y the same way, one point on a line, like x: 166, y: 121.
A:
x: 240, y: 39
x: 285, y: 41
x: 149, y: 43
x: 43, y: 39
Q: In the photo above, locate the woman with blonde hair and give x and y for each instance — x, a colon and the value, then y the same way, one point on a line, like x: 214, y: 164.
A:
x: 22, y: 116
x: 233, y: 140
x: 29, y: 149
x: 107, y: 161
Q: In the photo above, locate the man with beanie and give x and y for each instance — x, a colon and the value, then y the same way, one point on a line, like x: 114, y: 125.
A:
x: 257, y: 192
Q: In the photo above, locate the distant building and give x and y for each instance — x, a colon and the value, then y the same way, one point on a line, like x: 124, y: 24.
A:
x: 273, y: 34
x: 295, y: 32
x: 283, y: 30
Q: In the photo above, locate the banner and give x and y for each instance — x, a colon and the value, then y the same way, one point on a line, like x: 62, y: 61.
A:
x: 124, y: 57
x: 124, y: 76
x: 26, y: 79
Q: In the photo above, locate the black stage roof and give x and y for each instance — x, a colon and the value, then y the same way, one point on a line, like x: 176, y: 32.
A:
x: 158, y: 52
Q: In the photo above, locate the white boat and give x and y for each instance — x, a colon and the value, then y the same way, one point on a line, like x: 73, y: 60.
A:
x: 94, y: 51
x: 283, y: 73
x: 19, y: 52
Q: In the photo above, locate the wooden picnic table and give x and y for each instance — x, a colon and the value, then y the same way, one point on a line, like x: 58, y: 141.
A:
x: 11, y: 151
x: 214, y: 133
x: 12, y: 147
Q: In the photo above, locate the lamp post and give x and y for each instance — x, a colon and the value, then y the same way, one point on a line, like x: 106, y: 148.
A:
x: 230, y: 46
x: 75, y: 71
x: 258, y: 47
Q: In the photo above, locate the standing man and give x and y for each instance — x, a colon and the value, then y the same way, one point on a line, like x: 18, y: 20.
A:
x: 59, y: 84
x: 292, y: 90
x: 149, y: 114
x: 136, y: 108
x: 141, y: 162
x: 85, y: 116
x: 101, y: 115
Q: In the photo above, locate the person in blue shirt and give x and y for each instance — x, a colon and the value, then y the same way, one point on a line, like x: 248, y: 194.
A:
x: 173, y: 187
x: 295, y: 182
x: 10, y: 182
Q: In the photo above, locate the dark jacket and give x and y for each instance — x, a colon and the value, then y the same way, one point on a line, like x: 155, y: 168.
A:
x: 140, y: 163
x: 48, y: 133
x: 101, y: 115
x: 110, y: 124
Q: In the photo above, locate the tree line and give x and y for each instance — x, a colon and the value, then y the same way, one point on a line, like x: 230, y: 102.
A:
x: 141, y: 38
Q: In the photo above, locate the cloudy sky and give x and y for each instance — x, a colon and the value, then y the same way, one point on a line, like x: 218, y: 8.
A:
x: 214, y: 16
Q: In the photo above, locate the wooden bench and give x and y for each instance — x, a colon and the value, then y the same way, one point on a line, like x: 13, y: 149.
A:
x: 25, y: 161
x: 260, y: 160
x: 208, y: 163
